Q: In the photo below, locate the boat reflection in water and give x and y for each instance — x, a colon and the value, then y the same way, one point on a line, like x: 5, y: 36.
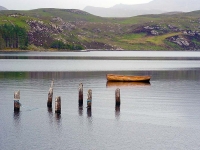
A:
x: 123, y: 84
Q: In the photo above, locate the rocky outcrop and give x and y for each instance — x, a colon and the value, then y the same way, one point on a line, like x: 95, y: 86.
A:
x: 40, y: 26
x: 152, y: 30
x: 180, y: 41
x: 185, y: 42
x: 192, y: 33
x: 158, y: 29
x: 173, y: 28
x: 62, y: 25
x: 15, y: 15
x: 40, y: 33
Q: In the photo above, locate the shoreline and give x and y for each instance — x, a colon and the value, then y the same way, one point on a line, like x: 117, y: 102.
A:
x: 88, y: 50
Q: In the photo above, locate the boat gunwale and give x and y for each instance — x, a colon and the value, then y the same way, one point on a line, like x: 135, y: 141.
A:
x: 127, y: 78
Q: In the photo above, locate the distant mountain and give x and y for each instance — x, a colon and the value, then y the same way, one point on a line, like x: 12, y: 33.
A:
x: 3, y: 8
x: 153, y: 7
x: 122, y: 11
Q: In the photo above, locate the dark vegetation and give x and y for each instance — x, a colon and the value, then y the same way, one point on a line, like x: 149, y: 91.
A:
x: 13, y: 37
x: 74, y: 30
x: 61, y: 45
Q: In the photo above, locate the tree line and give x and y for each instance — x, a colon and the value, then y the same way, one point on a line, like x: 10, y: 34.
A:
x: 13, y: 36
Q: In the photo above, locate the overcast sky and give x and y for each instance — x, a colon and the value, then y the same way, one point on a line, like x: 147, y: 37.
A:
x: 67, y: 4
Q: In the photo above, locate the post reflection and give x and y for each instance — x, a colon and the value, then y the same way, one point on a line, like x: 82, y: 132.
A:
x: 50, y: 114
x: 16, y: 117
x: 80, y: 110
x: 89, y: 117
x: 117, y: 112
x: 58, y: 120
x: 126, y: 84
x: 58, y: 117
x: 89, y: 112
x: 49, y: 109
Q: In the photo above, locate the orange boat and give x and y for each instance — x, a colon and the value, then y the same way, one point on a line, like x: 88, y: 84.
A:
x: 124, y: 78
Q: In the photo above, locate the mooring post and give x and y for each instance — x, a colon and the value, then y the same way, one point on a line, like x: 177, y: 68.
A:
x: 16, y: 101
x: 58, y: 105
x: 117, y: 97
x: 89, y: 100
x: 80, y: 100
x: 50, y: 97
x: 52, y: 83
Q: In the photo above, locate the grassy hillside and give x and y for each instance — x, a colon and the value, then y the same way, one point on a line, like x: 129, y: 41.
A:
x: 77, y: 28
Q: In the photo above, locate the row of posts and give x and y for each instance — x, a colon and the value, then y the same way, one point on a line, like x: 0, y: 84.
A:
x: 80, y: 96
x: 58, y: 99
x: 89, y: 99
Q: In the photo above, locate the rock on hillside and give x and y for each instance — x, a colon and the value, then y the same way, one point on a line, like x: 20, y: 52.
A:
x: 40, y: 33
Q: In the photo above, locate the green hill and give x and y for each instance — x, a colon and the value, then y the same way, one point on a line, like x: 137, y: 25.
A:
x: 76, y: 29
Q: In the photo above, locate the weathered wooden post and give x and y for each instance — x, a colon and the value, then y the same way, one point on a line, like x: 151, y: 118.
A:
x: 52, y: 83
x: 50, y: 97
x: 16, y: 101
x: 58, y: 105
x: 89, y: 100
x: 80, y: 100
x: 117, y: 97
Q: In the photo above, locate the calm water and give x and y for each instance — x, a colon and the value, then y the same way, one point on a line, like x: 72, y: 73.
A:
x: 164, y: 114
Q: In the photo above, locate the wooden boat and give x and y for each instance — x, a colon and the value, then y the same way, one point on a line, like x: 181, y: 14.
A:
x: 124, y: 78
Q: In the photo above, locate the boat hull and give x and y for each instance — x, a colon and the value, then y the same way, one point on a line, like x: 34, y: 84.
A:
x: 123, y: 78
